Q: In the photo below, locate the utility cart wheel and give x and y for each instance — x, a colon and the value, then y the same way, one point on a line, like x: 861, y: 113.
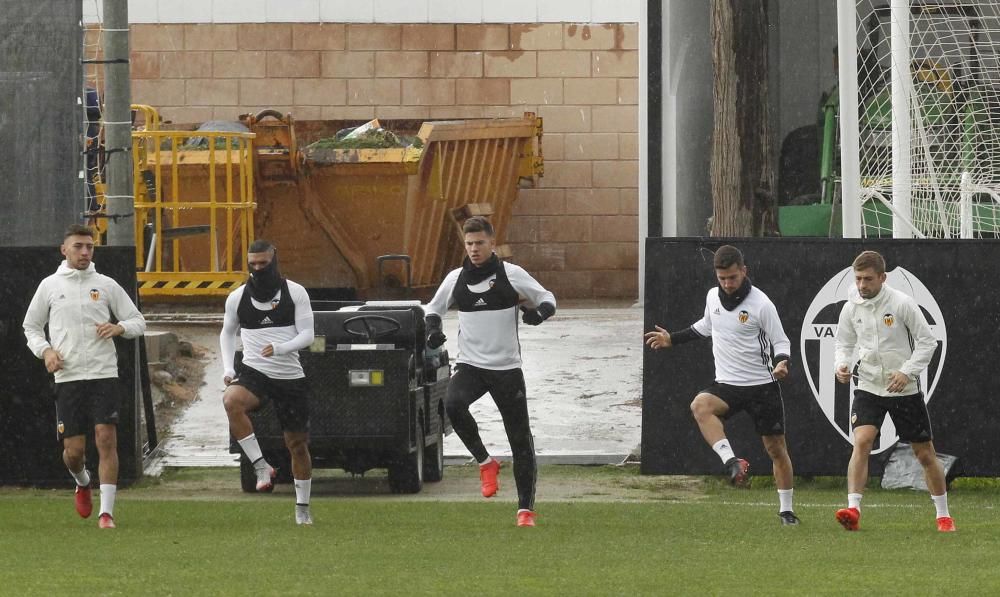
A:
x: 434, y: 458
x: 406, y: 475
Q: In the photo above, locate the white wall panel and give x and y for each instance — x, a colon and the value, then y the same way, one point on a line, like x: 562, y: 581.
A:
x: 347, y: 11
x: 292, y: 11
x: 401, y: 11
x: 374, y: 11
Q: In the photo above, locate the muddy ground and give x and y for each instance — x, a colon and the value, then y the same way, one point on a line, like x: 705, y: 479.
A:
x: 556, y: 483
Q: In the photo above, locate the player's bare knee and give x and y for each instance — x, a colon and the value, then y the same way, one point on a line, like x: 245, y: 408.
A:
x: 864, y: 437
x: 776, y: 449
x: 701, y: 407
x: 297, y: 446
x: 105, y: 436
x: 925, y: 454
x: 234, y: 404
x: 864, y: 445
x: 73, y: 456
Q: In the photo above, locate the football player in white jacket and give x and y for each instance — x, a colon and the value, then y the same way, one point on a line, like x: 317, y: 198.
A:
x: 894, y: 344
x: 77, y: 304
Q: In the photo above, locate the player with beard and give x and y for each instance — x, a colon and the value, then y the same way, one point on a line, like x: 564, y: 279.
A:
x: 275, y: 321
x: 751, y: 354
x: 888, y: 332
x: 487, y: 292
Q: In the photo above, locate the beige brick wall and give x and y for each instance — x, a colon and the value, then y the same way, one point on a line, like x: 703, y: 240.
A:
x: 577, y: 232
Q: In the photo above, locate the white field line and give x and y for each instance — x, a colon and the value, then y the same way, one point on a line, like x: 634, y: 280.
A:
x: 798, y: 504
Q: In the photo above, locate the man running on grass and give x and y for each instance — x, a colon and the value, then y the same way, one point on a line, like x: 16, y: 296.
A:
x: 889, y: 331
x: 487, y: 292
x: 745, y: 331
x: 275, y: 321
x: 78, y: 304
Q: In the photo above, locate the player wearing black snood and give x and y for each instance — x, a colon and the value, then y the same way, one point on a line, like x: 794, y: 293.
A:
x: 275, y: 321
x: 488, y: 293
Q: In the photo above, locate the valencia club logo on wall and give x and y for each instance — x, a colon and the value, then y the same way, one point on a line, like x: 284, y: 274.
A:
x: 818, y: 341
x: 743, y: 316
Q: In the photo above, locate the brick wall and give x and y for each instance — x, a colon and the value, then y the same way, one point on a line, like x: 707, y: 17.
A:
x: 578, y: 231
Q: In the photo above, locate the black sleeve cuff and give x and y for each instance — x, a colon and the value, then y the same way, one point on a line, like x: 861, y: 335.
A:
x: 686, y: 335
x: 781, y: 357
x: 546, y: 310
x: 432, y: 322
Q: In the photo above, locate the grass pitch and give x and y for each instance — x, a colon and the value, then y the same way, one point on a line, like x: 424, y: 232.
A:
x: 620, y: 534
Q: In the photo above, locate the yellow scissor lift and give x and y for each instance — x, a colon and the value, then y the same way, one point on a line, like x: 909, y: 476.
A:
x: 194, y: 210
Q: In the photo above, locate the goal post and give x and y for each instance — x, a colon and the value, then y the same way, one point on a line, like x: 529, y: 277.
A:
x: 850, y: 160
x: 920, y: 118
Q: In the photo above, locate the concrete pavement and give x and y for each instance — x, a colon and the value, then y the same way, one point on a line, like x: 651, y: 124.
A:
x: 582, y: 368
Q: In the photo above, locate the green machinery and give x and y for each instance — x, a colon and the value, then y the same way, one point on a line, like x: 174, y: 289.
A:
x: 959, y: 124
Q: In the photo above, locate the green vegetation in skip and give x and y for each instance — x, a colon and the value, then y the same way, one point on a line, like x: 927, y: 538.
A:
x: 672, y: 536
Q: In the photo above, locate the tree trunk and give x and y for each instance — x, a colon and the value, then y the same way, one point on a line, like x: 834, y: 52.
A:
x: 743, y: 196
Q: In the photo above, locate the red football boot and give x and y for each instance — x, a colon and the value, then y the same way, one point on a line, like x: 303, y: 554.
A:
x: 488, y: 477
x: 849, y: 518
x: 84, y: 505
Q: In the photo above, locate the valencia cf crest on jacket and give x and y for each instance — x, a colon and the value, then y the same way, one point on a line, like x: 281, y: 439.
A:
x: 818, y: 340
x: 94, y: 294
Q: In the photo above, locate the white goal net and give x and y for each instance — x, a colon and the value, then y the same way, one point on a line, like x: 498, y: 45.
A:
x: 926, y: 131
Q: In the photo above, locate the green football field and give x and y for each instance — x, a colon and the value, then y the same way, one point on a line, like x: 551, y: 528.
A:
x: 604, y: 531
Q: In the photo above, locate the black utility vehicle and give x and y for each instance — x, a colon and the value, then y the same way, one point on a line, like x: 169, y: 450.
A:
x: 376, y: 398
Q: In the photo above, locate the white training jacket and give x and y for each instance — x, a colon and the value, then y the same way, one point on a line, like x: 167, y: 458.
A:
x: 890, y: 334
x: 73, y: 302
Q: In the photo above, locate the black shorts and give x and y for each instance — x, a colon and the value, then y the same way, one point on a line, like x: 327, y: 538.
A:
x: 290, y: 396
x: 909, y: 414
x: 763, y: 403
x: 82, y: 404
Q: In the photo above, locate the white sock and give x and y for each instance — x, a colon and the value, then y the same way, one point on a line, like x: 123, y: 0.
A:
x: 252, y: 450
x: 108, y: 492
x: 303, y: 488
x: 941, y: 504
x: 723, y: 449
x: 785, y: 499
x: 82, y: 478
x: 854, y: 500
x: 487, y: 461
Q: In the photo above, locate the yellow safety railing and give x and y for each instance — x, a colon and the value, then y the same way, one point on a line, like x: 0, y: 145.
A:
x: 150, y: 116
x: 194, y: 206
x: 151, y: 122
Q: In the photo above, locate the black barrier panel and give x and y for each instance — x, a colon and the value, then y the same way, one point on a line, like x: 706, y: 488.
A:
x: 41, y: 120
x: 953, y: 281
x: 31, y: 453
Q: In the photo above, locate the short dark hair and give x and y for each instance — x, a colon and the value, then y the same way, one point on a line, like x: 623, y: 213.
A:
x: 477, y: 224
x: 78, y: 230
x: 869, y: 260
x: 261, y: 246
x: 726, y: 256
